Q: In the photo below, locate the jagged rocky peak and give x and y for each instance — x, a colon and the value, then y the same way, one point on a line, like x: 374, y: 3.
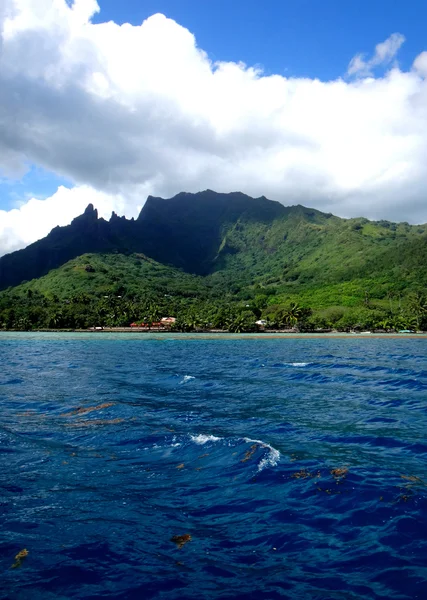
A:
x: 205, y: 204
x: 91, y: 211
x: 115, y: 217
x: 90, y: 215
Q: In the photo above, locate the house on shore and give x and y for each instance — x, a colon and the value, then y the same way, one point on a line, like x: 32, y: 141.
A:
x: 164, y: 322
x: 168, y: 321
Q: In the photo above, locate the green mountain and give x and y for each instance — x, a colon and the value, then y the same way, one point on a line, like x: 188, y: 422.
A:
x: 186, y: 231
x: 224, y: 248
x: 209, y: 233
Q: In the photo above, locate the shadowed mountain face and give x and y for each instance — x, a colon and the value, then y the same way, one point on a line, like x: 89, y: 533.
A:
x: 86, y: 233
x: 189, y: 229
x: 184, y: 231
x: 233, y: 235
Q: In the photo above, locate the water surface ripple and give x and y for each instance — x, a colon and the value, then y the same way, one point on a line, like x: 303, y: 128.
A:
x: 297, y: 466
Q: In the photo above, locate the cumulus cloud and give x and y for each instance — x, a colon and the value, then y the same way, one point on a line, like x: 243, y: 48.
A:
x: 35, y: 218
x: 385, y: 52
x: 420, y: 64
x: 124, y: 111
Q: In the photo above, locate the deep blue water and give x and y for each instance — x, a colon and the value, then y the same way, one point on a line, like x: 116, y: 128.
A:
x: 234, y: 442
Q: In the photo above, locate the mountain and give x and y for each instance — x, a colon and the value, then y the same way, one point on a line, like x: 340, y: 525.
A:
x: 185, y: 231
x: 236, y: 242
x: 87, y: 233
x: 188, y: 230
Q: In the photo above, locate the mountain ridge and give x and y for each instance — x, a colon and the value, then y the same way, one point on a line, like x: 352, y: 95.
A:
x: 212, y: 234
x: 90, y: 233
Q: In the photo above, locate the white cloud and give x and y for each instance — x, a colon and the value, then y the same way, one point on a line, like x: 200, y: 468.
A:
x: 385, y: 52
x: 123, y: 111
x: 420, y: 64
x: 35, y: 218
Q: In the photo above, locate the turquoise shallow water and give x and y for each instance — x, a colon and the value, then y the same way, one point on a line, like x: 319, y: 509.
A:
x: 297, y: 466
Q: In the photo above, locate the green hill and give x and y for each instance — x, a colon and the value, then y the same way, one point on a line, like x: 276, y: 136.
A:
x: 114, y: 273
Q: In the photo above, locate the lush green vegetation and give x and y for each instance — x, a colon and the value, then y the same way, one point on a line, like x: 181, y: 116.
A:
x: 115, y: 290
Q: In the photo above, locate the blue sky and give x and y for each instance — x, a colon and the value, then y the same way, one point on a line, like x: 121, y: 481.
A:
x: 116, y: 113
x: 303, y: 38
x: 294, y: 38
x: 35, y: 183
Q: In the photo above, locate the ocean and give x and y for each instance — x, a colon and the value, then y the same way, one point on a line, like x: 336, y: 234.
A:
x: 183, y: 467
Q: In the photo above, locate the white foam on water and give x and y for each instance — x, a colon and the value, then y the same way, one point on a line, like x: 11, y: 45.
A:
x: 186, y: 379
x: 272, y: 457
x: 298, y: 364
x: 271, y: 460
x: 202, y: 439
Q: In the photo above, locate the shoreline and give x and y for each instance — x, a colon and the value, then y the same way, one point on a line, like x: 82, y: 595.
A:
x: 220, y: 334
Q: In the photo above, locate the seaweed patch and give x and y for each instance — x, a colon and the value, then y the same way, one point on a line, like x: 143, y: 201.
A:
x: 181, y: 540
x: 82, y: 410
x: 303, y: 474
x: 19, y: 558
x: 95, y: 422
x: 413, y: 480
x: 249, y: 453
x: 339, y: 473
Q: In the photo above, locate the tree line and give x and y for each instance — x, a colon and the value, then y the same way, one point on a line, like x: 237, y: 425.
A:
x: 34, y: 310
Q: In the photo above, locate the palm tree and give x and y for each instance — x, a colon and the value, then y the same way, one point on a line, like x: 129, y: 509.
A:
x: 418, y: 306
x: 23, y: 324
x: 236, y: 325
x: 181, y: 325
x: 289, y: 316
x: 154, y: 313
x: 399, y: 322
x: 386, y: 323
x: 241, y: 323
x: 55, y: 319
x: 294, y: 313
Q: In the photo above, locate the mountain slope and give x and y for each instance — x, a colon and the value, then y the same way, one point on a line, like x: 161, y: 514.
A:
x: 188, y: 230
x: 310, y: 248
x: 184, y: 232
x: 238, y: 242
x: 86, y: 233
x: 114, y: 273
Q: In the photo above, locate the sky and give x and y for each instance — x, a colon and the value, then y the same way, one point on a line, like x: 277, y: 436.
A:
x: 318, y: 103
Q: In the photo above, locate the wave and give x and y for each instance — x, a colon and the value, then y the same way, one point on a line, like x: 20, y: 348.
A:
x: 201, y: 439
x: 186, y: 379
x: 270, y: 460
x: 272, y: 457
x: 290, y: 364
